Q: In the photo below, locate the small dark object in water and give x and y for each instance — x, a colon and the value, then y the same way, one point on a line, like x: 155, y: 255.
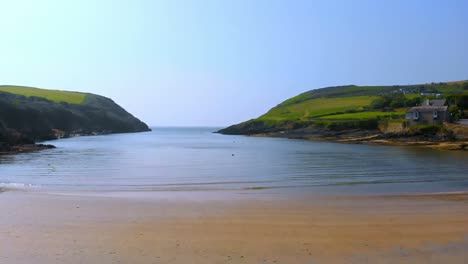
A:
x: 233, y: 155
x: 46, y: 146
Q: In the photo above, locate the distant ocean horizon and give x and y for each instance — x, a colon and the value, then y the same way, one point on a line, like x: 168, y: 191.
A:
x: 195, y: 159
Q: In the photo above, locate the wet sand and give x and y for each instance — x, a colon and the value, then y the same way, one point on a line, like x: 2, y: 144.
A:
x: 232, y: 228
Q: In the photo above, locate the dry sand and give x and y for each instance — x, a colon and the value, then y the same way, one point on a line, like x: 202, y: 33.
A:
x: 226, y: 228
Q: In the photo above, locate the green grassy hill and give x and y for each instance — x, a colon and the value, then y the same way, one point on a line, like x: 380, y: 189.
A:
x: 31, y: 114
x: 52, y: 95
x: 316, y: 107
x: 342, y: 104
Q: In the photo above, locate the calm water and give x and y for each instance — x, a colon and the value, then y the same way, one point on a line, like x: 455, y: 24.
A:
x: 196, y: 159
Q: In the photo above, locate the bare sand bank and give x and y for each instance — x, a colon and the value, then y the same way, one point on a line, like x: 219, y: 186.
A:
x: 47, y: 228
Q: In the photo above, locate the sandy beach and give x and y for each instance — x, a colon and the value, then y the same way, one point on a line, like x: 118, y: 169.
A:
x: 177, y: 227
x: 234, y: 132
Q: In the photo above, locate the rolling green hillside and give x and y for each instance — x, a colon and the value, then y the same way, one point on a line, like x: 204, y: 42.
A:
x: 362, y: 115
x: 29, y: 114
x: 317, y: 107
x: 52, y: 95
x: 342, y: 104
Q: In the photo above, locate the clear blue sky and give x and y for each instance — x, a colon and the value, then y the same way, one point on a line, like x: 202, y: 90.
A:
x: 221, y: 62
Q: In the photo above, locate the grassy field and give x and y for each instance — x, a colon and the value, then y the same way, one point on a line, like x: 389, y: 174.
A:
x: 314, y: 108
x: 53, y: 95
x: 362, y: 115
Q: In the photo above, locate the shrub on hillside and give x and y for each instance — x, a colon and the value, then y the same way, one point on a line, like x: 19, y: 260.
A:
x: 394, y: 100
x: 368, y: 124
x: 431, y: 131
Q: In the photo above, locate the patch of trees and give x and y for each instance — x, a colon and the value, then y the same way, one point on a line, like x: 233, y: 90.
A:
x: 460, y: 100
x: 458, y: 105
x: 394, y: 100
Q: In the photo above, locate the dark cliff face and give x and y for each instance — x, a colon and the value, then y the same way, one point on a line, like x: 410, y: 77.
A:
x: 253, y: 127
x: 32, y: 118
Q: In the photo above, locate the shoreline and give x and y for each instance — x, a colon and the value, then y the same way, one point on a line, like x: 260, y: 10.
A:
x: 373, y: 140
x: 7, y: 149
x: 457, y: 139
x: 51, y: 228
x: 24, y: 148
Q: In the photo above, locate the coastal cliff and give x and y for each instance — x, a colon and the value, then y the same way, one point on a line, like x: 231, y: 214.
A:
x: 28, y: 115
x: 362, y: 114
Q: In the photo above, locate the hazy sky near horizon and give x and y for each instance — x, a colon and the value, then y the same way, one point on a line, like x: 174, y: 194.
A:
x: 221, y: 62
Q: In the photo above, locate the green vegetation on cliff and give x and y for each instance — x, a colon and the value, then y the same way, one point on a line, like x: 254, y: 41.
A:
x: 362, y: 115
x: 345, y: 107
x: 52, y: 95
x: 316, y: 107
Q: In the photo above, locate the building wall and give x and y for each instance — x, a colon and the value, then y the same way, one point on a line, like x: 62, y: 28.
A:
x: 391, y: 126
x: 427, y: 118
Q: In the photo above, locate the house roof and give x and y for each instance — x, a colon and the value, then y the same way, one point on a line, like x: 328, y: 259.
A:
x: 429, y: 108
x: 438, y: 102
